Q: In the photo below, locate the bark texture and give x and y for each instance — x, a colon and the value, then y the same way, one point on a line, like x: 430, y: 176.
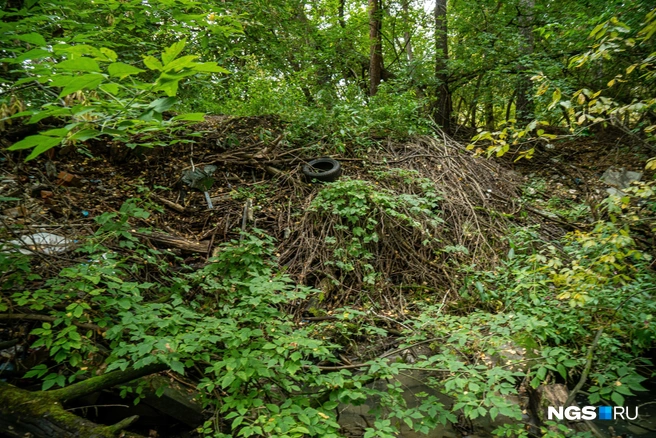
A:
x: 443, y: 106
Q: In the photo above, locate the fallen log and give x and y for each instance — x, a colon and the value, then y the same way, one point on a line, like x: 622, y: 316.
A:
x: 41, y: 414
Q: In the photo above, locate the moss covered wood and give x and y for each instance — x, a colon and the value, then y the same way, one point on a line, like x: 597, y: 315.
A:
x: 41, y: 414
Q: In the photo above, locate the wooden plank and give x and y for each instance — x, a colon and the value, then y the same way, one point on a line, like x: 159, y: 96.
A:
x: 175, y: 242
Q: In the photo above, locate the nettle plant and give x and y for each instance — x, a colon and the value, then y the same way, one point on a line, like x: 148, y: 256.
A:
x: 363, y: 212
x: 98, y: 95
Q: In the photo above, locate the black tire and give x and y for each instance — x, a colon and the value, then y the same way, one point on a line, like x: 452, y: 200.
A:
x: 322, y: 169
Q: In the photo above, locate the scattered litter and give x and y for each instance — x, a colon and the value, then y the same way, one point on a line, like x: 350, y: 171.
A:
x: 51, y: 169
x: 621, y: 179
x: 7, y: 366
x: 46, y: 243
x: 200, y: 180
x: 85, y: 213
x: 68, y: 179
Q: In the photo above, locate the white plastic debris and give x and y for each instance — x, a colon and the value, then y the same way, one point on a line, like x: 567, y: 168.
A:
x: 46, y: 243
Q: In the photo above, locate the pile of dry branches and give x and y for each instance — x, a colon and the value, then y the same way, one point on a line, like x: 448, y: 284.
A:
x: 413, y: 251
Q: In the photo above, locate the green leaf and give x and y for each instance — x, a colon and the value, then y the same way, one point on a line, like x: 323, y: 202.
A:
x: 31, y: 54
x: 57, y: 132
x: 85, y: 134
x: 78, y: 83
x: 32, y: 38
x: 597, y: 29
x: 594, y: 398
x: 170, y: 87
x: 174, y: 50
x: 79, y: 64
x: 47, y: 384
x: 510, y: 412
x: 180, y: 63
x: 152, y: 63
x: 623, y: 389
x: 562, y: 370
x: 122, y: 70
x: 190, y: 117
x: 162, y: 104
x: 110, y: 88
x: 109, y: 54
x: 617, y: 398
x: 177, y: 367
x: 210, y: 67
x: 330, y: 405
x: 125, y: 303
x: 76, y: 50
x: 79, y: 311
x: 237, y: 422
x: 227, y: 380
x: 35, y: 140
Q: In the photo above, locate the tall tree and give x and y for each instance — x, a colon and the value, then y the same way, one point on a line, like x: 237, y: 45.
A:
x: 442, y: 108
x: 376, y: 42
x: 406, y: 34
x: 524, y: 107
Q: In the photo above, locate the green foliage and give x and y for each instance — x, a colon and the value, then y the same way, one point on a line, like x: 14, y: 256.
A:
x: 104, y: 97
x: 224, y: 321
x: 595, y: 280
x: 500, y: 142
x: 361, y: 211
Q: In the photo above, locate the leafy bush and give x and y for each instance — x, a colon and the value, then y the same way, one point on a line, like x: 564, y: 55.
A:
x: 595, y: 280
x: 98, y: 95
x: 363, y: 213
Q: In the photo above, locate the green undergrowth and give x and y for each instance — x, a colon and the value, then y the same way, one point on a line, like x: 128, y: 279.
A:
x: 228, y: 326
x: 365, y: 216
x: 563, y: 293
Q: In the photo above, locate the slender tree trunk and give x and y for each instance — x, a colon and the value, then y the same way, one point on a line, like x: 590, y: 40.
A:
x: 566, y: 116
x: 442, y: 110
x: 376, y: 42
x: 406, y: 34
x: 474, y: 105
x: 459, y: 106
x: 489, y: 105
x: 524, y: 108
x: 509, y: 106
x: 340, y: 13
x: 489, y: 115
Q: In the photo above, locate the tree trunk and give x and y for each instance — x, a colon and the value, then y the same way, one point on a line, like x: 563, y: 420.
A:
x: 442, y: 109
x: 406, y: 34
x: 41, y: 414
x: 340, y: 14
x: 489, y: 105
x: 376, y: 51
x: 509, y: 106
x: 474, y: 105
x: 524, y: 107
